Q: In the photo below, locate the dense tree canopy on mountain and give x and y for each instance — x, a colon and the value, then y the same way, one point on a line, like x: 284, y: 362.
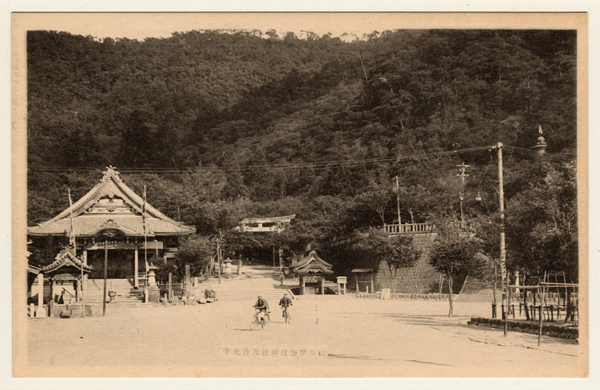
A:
x: 267, y: 125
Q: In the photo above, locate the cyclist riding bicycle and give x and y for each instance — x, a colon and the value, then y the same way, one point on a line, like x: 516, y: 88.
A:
x: 262, y: 306
x: 285, y: 303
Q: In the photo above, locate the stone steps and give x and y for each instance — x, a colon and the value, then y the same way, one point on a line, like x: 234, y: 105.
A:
x: 250, y: 289
x: 118, y: 297
x: 126, y: 295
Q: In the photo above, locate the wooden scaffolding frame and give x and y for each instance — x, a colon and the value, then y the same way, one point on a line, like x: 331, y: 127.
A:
x: 542, y: 290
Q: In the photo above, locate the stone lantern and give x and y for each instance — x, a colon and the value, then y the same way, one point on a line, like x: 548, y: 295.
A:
x: 152, y: 275
x: 153, y: 294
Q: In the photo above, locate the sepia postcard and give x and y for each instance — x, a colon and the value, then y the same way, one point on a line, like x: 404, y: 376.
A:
x: 300, y: 195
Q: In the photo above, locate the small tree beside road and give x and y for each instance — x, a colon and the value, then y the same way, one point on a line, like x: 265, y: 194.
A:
x: 196, y: 251
x: 397, y: 251
x: 455, y: 253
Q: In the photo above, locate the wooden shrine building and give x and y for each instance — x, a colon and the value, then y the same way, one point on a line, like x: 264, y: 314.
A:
x: 68, y: 269
x: 311, y: 271
x: 363, y: 277
x: 111, y: 216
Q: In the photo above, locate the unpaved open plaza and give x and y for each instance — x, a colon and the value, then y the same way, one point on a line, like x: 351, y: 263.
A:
x: 329, y: 336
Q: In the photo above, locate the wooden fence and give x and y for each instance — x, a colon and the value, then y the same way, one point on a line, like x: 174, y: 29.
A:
x: 407, y: 228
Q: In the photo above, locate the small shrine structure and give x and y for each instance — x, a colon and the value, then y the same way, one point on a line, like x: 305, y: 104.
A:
x: 67, y: 269
x: 311, y: 271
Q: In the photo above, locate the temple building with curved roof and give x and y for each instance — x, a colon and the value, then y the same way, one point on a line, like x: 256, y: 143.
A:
x: 312, y: 270
x: 112, y: 216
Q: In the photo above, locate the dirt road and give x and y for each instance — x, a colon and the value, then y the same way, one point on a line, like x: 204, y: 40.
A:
x: 329, y: 337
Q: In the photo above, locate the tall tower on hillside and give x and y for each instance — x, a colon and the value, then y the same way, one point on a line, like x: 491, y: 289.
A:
x: 540, y: 147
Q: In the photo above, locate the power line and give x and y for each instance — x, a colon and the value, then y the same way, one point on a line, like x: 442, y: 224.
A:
x: 563, y: 157
x: 289, y: 168
x: 266, y: 167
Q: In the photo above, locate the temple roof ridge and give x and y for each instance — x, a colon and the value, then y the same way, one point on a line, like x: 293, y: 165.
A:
x: 312, y: 263
x: 111, y: 173
x: 110, y: 186
x: 66, y: 258
x: 111, y: 176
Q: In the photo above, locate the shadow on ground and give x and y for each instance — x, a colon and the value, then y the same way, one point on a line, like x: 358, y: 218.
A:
x: 428, y: 320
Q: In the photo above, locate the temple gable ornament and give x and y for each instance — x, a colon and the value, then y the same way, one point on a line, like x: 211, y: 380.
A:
x: 110, y: 205
x: 111, y: 199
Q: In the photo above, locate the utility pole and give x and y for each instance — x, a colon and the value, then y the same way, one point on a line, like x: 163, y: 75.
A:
x: 498, y: 147
x: 219, y: 242
x: 462, y: 175
x: 398, y: 203
x: 105, y: 276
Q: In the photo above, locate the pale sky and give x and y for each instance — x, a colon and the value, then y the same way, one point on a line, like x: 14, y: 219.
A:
x: 142, y: 25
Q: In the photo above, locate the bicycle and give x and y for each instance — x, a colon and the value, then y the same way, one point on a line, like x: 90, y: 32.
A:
x: 259, y: 320
x: 286, y: 315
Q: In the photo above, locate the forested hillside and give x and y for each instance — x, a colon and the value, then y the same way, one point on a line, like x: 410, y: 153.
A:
x: 221, y: 125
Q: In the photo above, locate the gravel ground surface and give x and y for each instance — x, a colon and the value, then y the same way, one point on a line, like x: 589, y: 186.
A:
x: 329, y: 336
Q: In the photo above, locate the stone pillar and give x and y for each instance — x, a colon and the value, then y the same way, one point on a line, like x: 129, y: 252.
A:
x: 85, y: 275
x: 41, y: 313
x: 322, y: 285
x: 170, y: 287
x: 188, y: 283
x: 136, y: 266
x: 372, y: 287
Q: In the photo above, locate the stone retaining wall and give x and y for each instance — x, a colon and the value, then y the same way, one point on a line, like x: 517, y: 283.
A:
x: 422, y: 278
x: 529, y: 327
